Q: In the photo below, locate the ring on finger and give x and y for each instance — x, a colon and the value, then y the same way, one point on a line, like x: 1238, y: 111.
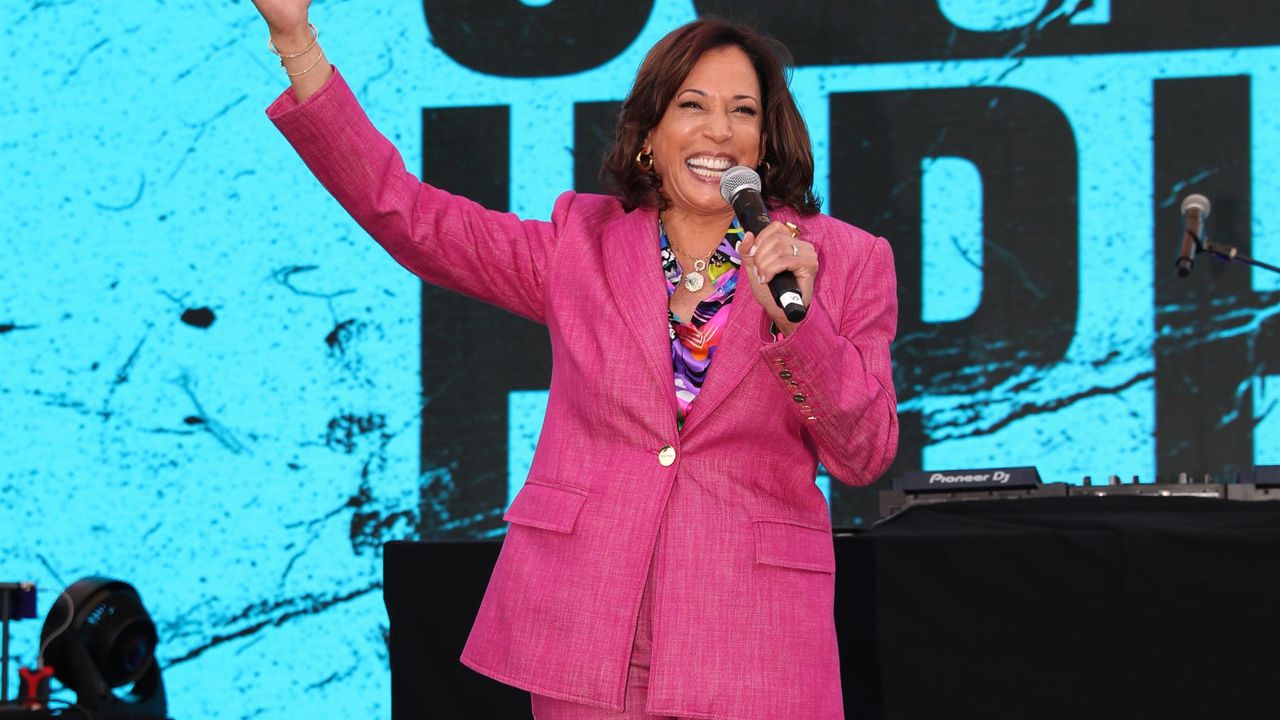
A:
x: 795, y: 250
x: 793, y: 229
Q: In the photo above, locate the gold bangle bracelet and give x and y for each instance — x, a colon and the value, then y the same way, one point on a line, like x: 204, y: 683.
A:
x: 271, y: 45
x: 310, y: 67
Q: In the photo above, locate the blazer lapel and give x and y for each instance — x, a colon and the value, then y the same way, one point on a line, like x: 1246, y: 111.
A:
x: 740, y: 347
x: 738, y: 350
x: 634, y: 271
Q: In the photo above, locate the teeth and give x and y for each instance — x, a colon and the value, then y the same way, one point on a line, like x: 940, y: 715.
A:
x: 709, y: 166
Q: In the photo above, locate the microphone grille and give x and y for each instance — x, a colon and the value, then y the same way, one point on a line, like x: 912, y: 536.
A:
x: 1195, y: 201
x: 736, y: 178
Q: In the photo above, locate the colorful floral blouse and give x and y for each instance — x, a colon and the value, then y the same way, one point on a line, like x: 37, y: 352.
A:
x: 694, y: 340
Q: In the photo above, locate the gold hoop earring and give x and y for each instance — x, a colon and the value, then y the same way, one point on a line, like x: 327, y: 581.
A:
x: 644, y: 159
x: 764, y: 167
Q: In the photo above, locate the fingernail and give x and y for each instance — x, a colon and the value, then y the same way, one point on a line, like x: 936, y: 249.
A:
x: 753, y: 251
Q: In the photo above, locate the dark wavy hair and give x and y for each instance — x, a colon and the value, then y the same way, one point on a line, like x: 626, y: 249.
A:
x: 787, y: 168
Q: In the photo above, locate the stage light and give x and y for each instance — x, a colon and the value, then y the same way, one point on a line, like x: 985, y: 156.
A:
x: 98, y: 637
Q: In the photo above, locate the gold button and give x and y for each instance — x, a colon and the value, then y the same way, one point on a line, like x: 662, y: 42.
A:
x: 785, y: 374
x: 667, y: 455
x: 812, y: 419
x: 798, y: 398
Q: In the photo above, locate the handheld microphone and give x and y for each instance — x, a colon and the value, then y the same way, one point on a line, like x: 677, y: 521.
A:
x: 1195, y: 210
x: 740, y: 187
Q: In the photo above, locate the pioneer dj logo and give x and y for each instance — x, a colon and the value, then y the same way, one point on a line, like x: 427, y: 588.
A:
x: 998, y: 477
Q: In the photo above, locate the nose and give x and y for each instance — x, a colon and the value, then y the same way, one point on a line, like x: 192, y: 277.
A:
x: 718, y: 127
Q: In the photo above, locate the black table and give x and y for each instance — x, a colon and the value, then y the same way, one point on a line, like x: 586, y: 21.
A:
x: 432, y: 591
x: 1125, y: 607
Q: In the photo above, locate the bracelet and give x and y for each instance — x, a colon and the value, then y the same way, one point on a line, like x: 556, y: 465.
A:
x: 309, y: 67
x: 271, y: 45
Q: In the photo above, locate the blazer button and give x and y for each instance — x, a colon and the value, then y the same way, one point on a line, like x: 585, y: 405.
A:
x: 785, y: 374
x: 798, y: 398
x: 667, y: 455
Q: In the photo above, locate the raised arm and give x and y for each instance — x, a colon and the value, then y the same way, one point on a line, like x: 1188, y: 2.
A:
x: 297, y: 43
x: 445, y: 239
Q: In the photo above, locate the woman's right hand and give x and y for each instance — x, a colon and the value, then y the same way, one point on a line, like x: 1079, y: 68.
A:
x: 285, y: 18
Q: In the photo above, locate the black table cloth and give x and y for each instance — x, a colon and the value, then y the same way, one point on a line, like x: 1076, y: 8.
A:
x: 1125, y: 607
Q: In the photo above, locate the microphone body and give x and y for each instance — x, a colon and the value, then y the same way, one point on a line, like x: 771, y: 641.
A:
x: 740, y: 187
x: 1195, y: 209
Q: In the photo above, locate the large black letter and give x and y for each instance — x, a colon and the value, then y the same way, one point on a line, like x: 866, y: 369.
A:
x: 1206, y: 350
x: 1025, y: 151
x: 839, y: 32
x: 516, y: 40
x: 464, y: 421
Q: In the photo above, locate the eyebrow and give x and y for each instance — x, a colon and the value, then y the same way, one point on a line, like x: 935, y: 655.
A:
x: 704, y: 94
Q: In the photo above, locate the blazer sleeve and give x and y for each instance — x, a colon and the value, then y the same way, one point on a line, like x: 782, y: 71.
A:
x: 442, y: 238
x: 838, y: 374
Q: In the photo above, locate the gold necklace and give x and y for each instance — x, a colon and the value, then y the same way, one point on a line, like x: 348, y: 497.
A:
x: 693, y: 281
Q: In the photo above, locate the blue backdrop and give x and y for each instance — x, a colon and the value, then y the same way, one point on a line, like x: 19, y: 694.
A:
x: 211, y: 380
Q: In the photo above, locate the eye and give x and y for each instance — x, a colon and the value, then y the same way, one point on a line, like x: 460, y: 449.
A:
x: 691, y: 105
x: 747, y: 110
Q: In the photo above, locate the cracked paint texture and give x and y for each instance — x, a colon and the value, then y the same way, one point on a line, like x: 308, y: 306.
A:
x: 209, y: 384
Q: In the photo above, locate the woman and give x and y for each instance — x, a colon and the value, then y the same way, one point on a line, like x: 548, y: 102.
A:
x: 669, y: 555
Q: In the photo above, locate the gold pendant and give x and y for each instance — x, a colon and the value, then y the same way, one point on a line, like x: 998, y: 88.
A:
x: 693, y: 281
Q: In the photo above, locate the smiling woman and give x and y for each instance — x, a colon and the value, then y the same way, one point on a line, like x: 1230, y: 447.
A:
x: 784, y: 155
x: 711, y: 125
x: 669, y: 554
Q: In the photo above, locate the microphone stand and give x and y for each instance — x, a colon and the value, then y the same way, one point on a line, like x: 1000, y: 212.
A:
x: 1229, y: 253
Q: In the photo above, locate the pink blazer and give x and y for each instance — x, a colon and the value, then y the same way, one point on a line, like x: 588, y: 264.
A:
x: 729, y: 512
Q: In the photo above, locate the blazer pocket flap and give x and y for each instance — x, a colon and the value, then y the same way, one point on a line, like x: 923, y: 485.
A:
x: 789, y: 544
x: 550, y: 507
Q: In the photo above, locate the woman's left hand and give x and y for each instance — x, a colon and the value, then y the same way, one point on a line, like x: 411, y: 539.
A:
x: 772, y: 252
